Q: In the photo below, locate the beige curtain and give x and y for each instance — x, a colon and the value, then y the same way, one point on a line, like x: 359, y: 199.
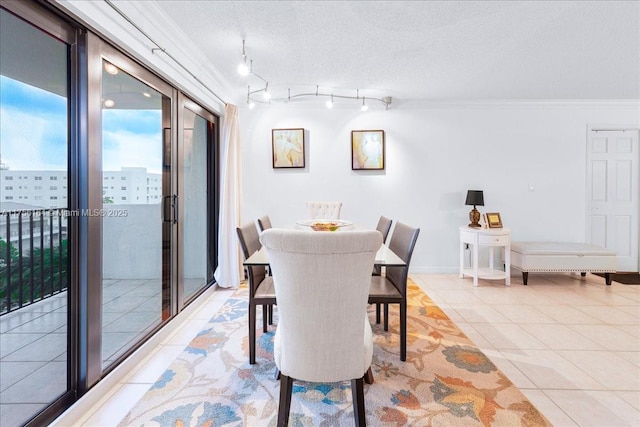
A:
x: 229, y: 268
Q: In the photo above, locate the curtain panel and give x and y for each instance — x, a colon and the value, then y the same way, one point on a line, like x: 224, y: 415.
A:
x: 229, y: 268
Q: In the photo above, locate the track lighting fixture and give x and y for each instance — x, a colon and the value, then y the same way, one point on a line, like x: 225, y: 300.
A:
x: 268, y: 96
x: 330, y: 102
x: 243, y: 69
x: 249, y: 101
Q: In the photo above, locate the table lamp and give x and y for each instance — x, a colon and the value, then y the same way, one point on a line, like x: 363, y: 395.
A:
x: 474, y: 198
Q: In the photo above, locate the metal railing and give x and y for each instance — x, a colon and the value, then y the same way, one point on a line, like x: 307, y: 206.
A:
x: 33, y: 256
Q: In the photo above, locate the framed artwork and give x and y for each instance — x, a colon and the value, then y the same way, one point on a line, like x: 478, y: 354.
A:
x: 493, y: 220
x: 367, y: 149
x: 287, y: 146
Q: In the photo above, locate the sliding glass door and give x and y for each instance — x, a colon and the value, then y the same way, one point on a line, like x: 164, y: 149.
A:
x: 35, y: 291
x: 137, y: 210
x: 196, y: 157
x: 108, y: 208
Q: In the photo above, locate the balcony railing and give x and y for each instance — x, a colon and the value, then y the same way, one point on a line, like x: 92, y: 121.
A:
x: 33, y: 256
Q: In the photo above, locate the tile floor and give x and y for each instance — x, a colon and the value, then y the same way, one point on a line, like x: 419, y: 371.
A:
x: 33, y: 342
x: 571, y: 344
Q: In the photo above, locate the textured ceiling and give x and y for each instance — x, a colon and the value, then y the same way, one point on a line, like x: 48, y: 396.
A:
x: 428, y: 50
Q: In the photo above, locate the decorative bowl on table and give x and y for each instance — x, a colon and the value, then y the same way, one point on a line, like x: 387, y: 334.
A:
x: 324, y: 224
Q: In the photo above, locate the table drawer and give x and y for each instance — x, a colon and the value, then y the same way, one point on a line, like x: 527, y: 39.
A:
x: 493, y: 240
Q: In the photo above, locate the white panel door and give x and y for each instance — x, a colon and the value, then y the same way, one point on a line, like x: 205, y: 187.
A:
x: 612, y: 194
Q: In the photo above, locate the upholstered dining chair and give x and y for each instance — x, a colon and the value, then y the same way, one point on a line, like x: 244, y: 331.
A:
x: 322, y: 285
x: 264, y: 223
x: 324, y: 210
x: 392, y: 287
x: 261, y: 291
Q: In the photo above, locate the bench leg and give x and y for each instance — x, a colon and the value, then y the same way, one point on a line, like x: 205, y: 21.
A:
x: 525, y: 276
x: 607, y: 278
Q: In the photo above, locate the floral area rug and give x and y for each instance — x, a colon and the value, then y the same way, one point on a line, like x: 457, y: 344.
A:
x: 446, y: 380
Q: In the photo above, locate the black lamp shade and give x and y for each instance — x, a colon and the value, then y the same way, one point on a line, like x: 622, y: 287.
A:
x: 475, y: 198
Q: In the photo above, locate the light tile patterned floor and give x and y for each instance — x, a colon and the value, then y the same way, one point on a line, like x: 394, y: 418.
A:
x: 570, y: 343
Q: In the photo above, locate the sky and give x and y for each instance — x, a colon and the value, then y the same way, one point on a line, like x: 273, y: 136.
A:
x: 33, y: 132
x: 33, y: 127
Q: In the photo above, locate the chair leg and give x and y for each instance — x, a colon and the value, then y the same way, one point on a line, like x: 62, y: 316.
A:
x: 286, y: 387
x: 377, y: 313
x: 403, y: 330
x: 252, y: 334
x: 357, y: 391
x: 265, y: 317
x: 386, y: 316
x: 368, y: 376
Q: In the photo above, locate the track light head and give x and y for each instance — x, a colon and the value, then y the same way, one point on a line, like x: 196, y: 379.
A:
x: 243, y: 69
x: 330, y: 102
x: 365, y: 107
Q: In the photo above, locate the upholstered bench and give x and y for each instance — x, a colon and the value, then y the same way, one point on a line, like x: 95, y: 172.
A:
x: 562, y: 257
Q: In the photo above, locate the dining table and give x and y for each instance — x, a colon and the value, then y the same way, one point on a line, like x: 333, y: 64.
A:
x: 385, y: 257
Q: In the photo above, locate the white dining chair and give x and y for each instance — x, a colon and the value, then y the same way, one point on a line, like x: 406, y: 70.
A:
x: 324, y: 210
x: 321, y: 282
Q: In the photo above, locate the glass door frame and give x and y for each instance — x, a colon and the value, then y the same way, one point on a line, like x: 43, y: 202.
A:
x: 184, y: 102
x: 99, y: 50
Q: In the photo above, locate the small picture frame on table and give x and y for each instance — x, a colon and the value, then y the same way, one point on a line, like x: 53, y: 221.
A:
x: 287, y: 147
x: 493, y: 220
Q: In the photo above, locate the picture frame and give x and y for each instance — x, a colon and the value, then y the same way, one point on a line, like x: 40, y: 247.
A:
x: 367, y: 150
x: 493, y: 220
x: 287, y: 148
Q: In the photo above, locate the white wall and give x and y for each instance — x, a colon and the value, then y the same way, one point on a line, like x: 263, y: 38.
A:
x: 434, y: 154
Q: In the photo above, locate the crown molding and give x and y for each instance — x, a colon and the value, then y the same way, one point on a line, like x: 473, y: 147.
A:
x: 633, y: 104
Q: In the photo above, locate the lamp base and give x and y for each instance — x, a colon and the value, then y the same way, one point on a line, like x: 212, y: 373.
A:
x: 474, y: 217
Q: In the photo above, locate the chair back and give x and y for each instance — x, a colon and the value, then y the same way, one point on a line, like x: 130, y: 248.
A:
x: 384, y: 225
x: 264, y: 223
x: 324, y: 210
x: 250, y: 243
x: 322, y: 283
x: 403, y: 240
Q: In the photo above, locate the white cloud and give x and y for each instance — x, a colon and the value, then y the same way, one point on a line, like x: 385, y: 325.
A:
x: 127, y: 149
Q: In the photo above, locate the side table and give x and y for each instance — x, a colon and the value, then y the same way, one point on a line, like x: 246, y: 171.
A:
x: 490, y: 237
